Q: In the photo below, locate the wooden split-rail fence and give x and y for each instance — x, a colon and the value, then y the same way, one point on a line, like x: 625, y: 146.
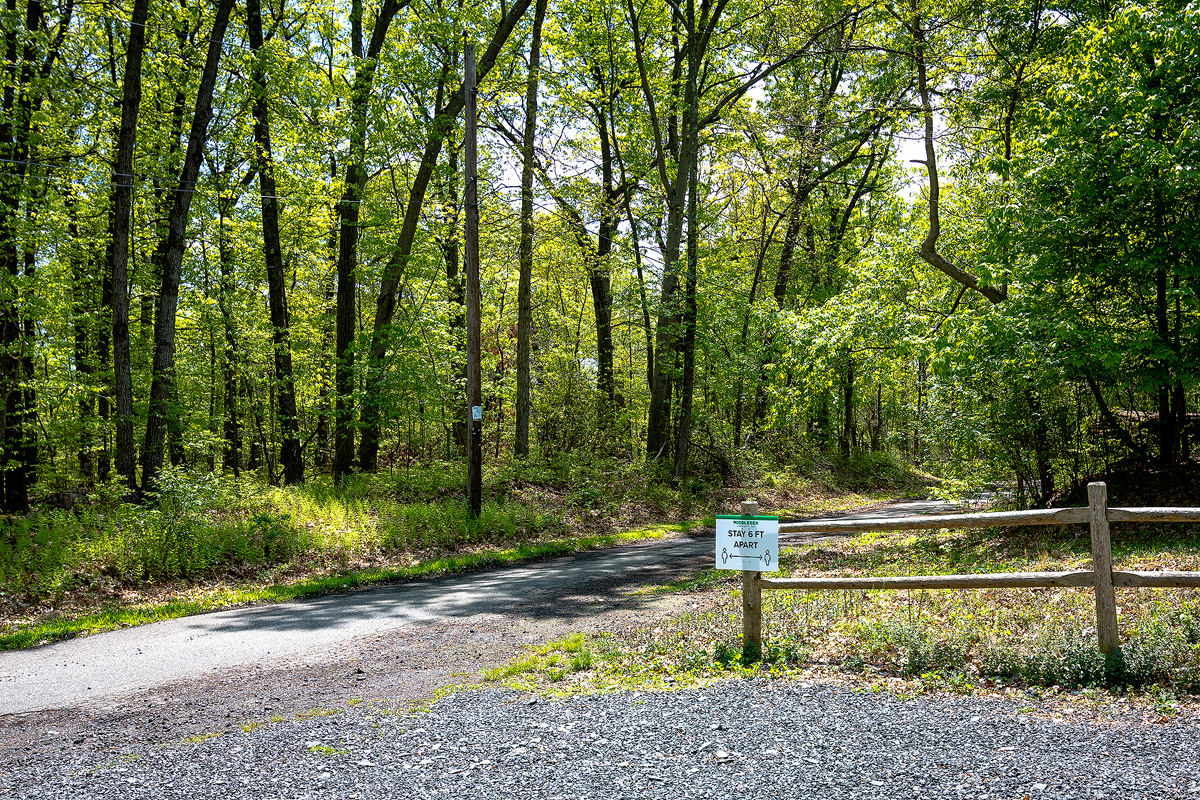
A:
x: 1101, y: 577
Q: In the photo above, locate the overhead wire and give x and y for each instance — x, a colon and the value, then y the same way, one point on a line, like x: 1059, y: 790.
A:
x: 199, y: 187
x: 551, y: 209
x: 324, y: 67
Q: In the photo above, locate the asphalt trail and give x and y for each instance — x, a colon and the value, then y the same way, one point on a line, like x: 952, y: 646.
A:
x: 83, y: 671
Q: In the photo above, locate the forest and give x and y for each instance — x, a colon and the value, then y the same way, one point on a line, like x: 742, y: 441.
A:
x: 963, y: 235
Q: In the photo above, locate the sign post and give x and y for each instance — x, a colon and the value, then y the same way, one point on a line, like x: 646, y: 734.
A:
x: 750, y: 544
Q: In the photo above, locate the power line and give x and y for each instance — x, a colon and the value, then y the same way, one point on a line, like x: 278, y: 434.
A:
x: 323, y: 67
x: 225, y: 43
x: 198, y: 186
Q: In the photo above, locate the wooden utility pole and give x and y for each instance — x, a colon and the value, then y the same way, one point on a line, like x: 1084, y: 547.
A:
x: 471, y: 267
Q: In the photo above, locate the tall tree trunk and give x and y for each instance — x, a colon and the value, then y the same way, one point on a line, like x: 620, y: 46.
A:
x: 103, y: 335
x: 14, y: 139
x: 254, y: 461
x: 161, y: 385
x: 82, y: 313
x: 1168, y: 439
x: 666, y: 344
x: 289, y: 426
x: 164, y: 193
x: 600, y: 268
x: 323, y: 458
x: 456, y: 290
x: 783, y: 277
x: 525, y: 255
x: 1041, y: 448
x: 27, y: 68
x: 600, y: 280
x: 385, y: 306
x: 687, y: 389
x: 682, y: 150
x: 29, y: 448
x: 1181, y: 421
x: 231, y: 458
x: 356, y: 183
x: 922, y: 378
x: 848, y: 427
x: 126, y: 455
x: 877, y: 420
x: 765, y: 241
x: 691, y: 137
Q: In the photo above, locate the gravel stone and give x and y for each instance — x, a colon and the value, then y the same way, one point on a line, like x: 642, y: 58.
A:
x: 761, y: 738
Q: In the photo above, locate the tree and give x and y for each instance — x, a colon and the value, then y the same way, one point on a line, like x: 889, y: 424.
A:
x: 699, y: 36
x: 1112, y: 192
x: 164, y: 319
x: 365, y: 65
x: 524, y: 294
x: 442, y: 119
x: 26, y: 86
x: 290, y: 454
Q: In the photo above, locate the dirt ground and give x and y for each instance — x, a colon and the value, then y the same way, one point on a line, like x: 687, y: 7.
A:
x: 402, y: 667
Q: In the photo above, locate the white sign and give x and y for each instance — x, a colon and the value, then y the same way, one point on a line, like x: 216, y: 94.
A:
x: 476, y: 413
x: 750, y: 544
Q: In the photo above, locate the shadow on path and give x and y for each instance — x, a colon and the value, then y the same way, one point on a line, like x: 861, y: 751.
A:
x: 564, y: 589
x: 83, y: 670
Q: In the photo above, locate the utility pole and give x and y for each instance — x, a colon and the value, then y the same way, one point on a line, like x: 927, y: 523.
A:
x: 471, y: 267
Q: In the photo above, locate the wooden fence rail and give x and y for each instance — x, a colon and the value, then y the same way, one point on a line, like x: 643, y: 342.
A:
x: 1101, y: 577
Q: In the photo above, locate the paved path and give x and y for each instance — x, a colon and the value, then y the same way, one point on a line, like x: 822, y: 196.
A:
x: 80, y: 671
x: 904, y: 508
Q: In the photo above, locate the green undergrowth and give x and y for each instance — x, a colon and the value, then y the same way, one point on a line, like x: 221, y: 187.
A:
x: 813, y: 489
x: 201, y: 523
x: 204, y: 541
x: 929, y: 641
x: 489, y: 551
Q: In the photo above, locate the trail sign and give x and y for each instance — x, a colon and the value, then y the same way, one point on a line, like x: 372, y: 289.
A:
x: 746, y: 543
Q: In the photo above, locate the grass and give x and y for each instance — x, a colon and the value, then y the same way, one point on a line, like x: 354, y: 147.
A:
x: 209, y: 542
x: 553, y: 662
x: 326, y: 750
x: 201, y: 737
x: 956, y: 642
x: 123, y: 616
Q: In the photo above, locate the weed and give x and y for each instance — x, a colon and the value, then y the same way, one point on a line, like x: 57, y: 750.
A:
x: 201, y: 737
x: 554, y: 661
x: 326, y: 750
x: 1166, y: 702
x: 316, y: 712
x: 941, y: 641
x: 943, y: 681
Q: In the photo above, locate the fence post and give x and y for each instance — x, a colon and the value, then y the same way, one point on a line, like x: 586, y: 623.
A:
x: 751, y: 602
x: 1106, y: 602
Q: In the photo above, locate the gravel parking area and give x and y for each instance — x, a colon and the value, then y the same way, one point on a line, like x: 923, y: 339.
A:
x: 754, y: 738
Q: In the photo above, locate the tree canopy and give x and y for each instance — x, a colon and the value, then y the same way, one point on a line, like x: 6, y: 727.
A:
x: 712, y: 232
